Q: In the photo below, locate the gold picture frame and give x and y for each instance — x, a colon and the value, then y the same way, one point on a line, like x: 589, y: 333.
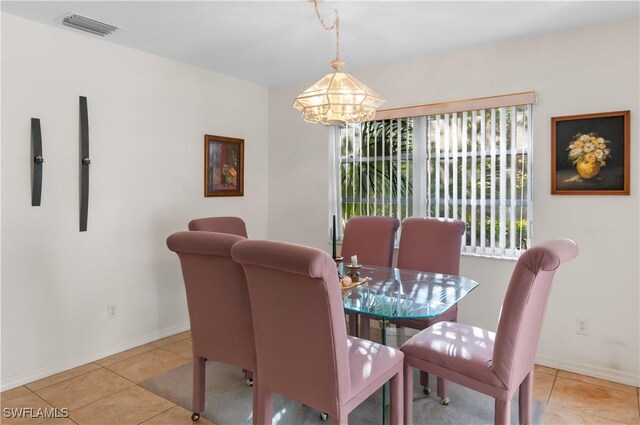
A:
x: 590, y: 154
x: 223, y: 166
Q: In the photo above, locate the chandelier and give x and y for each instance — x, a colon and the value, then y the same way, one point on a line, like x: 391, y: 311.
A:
x: 338, y: 97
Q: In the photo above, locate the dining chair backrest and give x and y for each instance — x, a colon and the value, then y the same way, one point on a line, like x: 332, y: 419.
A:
x: 431, y: 245
x: 300, y: 333
x: 231, y: 225
x: 523, y: 308
x: 371, y: 238
x: 217, y: 297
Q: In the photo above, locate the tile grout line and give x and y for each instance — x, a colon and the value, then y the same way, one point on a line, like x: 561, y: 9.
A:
x: 578, y: 410
x: 604, y: 419
x: 138, y: 355
x: 68, y: 412
x: 551, y: 391
x: 64, y: 380
x: 175, y: 354
x: 164, y: 411
x: 137, y: 383
x: 122, y: 376
x: 152, y: 343
x: 98, y: 399
x: 108, y: 367
x: 126, y: 358
x: 124, y: 389
x: 176, y: 341
x: 13, y: 398
x: 595, y: 385
x: 95, y: 401
x: 545, y: 373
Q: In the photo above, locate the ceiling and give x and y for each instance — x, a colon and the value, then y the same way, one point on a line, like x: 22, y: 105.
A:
x: 275, y: 43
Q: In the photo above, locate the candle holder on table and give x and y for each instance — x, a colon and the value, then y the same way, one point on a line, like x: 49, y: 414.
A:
x: 353, y: 271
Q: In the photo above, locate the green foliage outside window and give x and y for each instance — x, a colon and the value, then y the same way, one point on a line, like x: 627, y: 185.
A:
x: 376, y: 170
x: 371, y: 181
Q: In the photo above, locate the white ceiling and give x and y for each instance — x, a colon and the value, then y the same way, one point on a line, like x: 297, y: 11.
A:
x: 280, y: 42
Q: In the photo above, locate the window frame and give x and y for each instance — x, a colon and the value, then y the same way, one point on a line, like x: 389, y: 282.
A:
x: 420, y: 172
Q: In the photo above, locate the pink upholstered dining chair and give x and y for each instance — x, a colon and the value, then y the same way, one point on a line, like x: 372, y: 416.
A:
x: 231, y: 225
x: 302, y: 346
x: 430, y: 245
x: 371, y: 238
x: 218, y: 302
x: 496, y: 364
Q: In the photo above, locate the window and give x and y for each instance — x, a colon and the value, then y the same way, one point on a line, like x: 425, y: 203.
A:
x: 472, y: 165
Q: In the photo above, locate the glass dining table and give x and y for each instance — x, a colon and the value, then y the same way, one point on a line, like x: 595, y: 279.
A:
x: 392, y: 293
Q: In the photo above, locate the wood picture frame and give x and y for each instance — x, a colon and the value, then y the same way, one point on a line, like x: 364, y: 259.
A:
x: 223, y: 166
x: 590, y: 154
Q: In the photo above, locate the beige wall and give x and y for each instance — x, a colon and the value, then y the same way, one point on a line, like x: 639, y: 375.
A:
x: 591, y: 70
x: 147, y: 120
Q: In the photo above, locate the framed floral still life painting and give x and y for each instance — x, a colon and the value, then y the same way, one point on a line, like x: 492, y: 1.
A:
x: 590, y: 154
x: 223, y: 166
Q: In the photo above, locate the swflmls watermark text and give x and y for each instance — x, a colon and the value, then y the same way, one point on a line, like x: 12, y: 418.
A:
x: 31, y: 412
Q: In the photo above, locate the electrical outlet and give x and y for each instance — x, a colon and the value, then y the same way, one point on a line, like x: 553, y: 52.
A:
x: 582, y: 326
x: 112, y: 311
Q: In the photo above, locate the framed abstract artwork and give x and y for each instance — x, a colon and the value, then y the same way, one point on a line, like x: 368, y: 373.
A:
x: 590, y: 154
x: 223, y: 166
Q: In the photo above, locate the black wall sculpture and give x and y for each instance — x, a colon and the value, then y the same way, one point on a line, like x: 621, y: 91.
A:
x: 36, y: 150
x: 84, y: 164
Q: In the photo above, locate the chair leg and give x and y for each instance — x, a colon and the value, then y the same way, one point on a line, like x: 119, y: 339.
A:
x: 342, y: 420
x: 395, y: 399
x: 199, y: 369
x: 424, y: 381
x: 408, y: 395
x: 353, y: 323
x: 399, y: 336
x: 256, y: 405
x: 443, y: 390
x: 525, y: 400
x: 443, y: 386
x: 262, y: 405
x: 365, y: 328
x: 503, y: 412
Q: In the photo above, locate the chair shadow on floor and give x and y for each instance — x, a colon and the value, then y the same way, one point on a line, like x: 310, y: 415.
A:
x: 229, y: 401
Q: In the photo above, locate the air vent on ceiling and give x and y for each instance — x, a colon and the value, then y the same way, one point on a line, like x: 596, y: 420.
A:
x: 89, y: 25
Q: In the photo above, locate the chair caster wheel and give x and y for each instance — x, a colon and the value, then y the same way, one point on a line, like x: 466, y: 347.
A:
x: 195, y: 417
x: 426, y: 390
x: 445, y: 401
x: 249, y: 382
x: 324, y: 416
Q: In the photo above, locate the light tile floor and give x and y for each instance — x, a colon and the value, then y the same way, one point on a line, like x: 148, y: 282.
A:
x: 106, y: 392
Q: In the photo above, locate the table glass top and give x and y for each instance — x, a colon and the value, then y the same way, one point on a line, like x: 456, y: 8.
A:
x: 407, y: 294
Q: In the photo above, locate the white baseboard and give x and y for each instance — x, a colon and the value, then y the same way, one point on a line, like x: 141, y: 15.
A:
x: 590, y: 370
x: 43, y: 372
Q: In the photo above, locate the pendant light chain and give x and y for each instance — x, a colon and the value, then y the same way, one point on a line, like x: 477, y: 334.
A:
x: 335, y: 25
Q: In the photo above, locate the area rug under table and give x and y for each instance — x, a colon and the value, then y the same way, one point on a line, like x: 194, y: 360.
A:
x: 229, y: 402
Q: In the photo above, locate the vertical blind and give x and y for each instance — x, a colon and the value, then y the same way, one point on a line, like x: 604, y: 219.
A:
x: 478, y: 172
x: 472, y: 166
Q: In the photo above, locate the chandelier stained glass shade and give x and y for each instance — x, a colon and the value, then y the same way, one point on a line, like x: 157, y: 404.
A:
x: 338, y: 98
